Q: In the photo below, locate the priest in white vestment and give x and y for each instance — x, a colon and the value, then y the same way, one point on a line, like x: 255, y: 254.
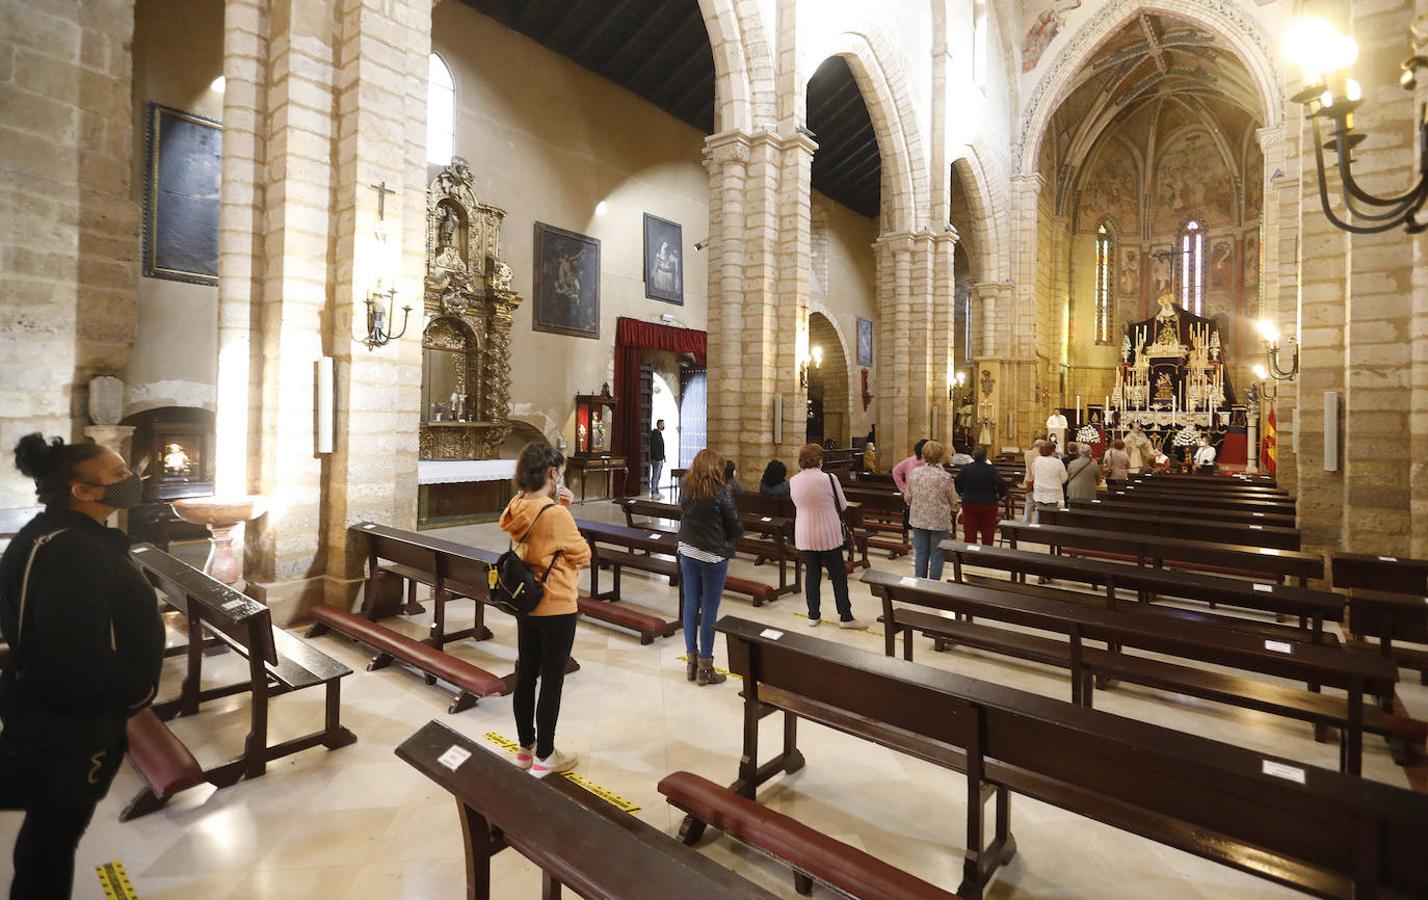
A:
x: 1056, y: 425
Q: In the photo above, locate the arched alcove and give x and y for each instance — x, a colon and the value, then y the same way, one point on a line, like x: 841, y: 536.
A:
x: 829, y: 402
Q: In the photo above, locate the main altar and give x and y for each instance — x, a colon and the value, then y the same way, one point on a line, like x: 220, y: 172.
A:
x: 1172, y: 372
x: 1173, y: 375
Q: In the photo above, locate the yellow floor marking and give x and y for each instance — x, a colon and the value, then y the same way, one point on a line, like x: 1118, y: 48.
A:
x: 872, y: 631
x: 684, y: 659
x: 115, y: 881
x: 610, y: 797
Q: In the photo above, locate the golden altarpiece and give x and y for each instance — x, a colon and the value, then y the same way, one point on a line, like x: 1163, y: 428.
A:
x: 466, y: 342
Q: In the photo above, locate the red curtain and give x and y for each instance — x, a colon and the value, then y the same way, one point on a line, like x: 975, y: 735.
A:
x: 632, y: 336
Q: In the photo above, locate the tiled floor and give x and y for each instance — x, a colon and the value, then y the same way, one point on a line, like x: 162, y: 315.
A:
x: 358, y: 823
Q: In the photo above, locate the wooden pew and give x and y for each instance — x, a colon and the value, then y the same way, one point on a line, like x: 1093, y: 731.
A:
x: 1207, y: 502
x: 765, y: 537
x: 1321, y: 832
x: 651, y: 542
x: 576, y: 839
x: 1355, y: 673
x: 1184, y: 512
x: 278, y: 663
x: 1208, y: 528
x: 1259, y: 479
x: 1312, y: 607
x: 752, y: 503
x: 881, y: 511
x: 1253, y: 562
x: 1392, y: 617
x: 1189, y: 482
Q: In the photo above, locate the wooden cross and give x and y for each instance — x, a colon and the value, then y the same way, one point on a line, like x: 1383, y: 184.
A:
x: 382, y: 192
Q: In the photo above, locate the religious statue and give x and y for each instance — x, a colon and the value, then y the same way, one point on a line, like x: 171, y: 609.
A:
x: 599, y: 429
x: 176, y: 460
x: 1138, y: 447
x: 1164, y: 390
x: 448, y: 255
x: 580, y: 433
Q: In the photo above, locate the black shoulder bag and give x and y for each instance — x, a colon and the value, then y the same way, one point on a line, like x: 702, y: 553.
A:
x: 842, y: 520
x: 513, y: 585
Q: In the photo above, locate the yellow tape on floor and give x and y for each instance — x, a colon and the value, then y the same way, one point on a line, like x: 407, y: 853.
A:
x: 115, y: 881
x: 866, y: 629
x: 610, y: 797
x: 684, y: 658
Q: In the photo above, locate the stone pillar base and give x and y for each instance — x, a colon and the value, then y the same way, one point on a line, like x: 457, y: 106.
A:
x: 290, y: 602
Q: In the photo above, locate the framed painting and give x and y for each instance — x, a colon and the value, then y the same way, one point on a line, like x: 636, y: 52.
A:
x: 566, y: 282
x: 664, y: 260
x: 865, y: 341
x: 182, y: 174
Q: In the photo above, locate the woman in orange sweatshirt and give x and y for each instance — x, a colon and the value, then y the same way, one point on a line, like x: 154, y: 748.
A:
x: 544, y: 534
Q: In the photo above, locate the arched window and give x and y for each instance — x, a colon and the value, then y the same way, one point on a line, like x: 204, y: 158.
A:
x: 1191, y: 267
x: 1105, y: 279
x: 440, y: 113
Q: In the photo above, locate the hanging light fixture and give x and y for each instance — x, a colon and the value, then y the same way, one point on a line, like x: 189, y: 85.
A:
x: 1325, y: 56
x: 1269, y: 332
x: 380, y: 314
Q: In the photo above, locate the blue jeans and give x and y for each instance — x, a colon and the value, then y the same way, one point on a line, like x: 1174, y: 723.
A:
x: 656, y: 470
x: 927, y: 555
x: 703, y: 587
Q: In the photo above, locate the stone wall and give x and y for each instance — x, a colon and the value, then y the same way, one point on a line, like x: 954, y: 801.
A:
x: 68, y: 248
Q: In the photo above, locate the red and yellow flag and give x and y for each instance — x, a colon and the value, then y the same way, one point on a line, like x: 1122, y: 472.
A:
x: 1269, y: 446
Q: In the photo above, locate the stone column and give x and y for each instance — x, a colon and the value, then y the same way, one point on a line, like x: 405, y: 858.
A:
x: 789, y: 314
x: 726, y: 158
x: 69, y: 251
x: 895, y: 368
x: 944, y: 338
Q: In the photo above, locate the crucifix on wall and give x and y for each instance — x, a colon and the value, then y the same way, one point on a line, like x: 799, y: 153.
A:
x: 382, y: 192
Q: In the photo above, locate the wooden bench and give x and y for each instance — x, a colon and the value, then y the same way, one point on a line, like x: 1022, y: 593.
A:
x: 1318, y: 831
x: 278, y: 663
x: 1387, y: 618
x: 765, y: 537
x: 882, y: 512
x: 812, y: 855
x: 1198, y: 483
x: 1183, y: 512
x: 1205, y: 501
x: 1355, y: 673
x: 1259, y: 478
x: 751, y: 503
x: 1250, y: 562
x: 652, y: 542
x: 1207, y: 529
x: 576, y: 839
x: 1312, y: 607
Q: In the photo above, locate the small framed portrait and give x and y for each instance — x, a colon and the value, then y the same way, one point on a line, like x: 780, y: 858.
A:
x: 566, y: 282
x: 664, y: 260
x: 865, y: 341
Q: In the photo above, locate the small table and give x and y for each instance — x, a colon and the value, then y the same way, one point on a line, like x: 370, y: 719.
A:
x: 587, y: 464
x: 674, y: 486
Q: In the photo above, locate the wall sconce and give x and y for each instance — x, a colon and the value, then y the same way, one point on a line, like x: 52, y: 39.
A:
x: 1270, y: 333
x: 379, y: 305
x: 816, y: 352
x: 954, y: 384
x: 1325, y: 56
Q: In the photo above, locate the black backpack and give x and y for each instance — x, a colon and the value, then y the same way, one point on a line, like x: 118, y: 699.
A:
x: 513, y: 585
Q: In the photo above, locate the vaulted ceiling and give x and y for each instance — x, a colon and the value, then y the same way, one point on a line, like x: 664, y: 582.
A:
x: 1155, y: 75
x: 659, y: 49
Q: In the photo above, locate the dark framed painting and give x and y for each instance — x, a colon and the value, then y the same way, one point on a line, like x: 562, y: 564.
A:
x: 664, y: 260
x: 566, y: 282
x: 865, y: 341
x: 183, y: 171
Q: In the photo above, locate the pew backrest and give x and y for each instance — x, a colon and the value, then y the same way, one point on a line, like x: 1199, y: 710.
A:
x: 238, y: 617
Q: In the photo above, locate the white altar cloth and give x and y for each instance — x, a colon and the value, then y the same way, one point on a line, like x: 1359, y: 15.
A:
x: 456, y: 471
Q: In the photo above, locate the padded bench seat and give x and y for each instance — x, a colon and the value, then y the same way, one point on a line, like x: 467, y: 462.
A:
x: 166, y: 764
x: 636, y: 618
x: 894, y: 546
x: 644, y: 562
x: 814, y: 856
x: 759, y: 592
x: 472, y: 682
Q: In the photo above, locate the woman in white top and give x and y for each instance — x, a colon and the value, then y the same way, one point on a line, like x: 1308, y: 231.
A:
x: 1048, y: 478
x: 1205, y: 457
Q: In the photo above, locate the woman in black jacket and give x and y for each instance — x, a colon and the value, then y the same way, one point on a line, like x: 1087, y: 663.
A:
x: 708, y: 527
x: 981, y: 487
x: 86, y: 647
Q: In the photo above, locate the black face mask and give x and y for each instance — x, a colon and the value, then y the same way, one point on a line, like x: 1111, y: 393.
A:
x: 121, y: 494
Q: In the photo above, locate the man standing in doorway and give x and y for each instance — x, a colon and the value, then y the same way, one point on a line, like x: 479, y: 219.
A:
x: 656, y: 458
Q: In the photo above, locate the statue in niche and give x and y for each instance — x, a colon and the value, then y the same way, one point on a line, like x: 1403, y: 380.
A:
x: 448, y: 252
x: 1164, y: 390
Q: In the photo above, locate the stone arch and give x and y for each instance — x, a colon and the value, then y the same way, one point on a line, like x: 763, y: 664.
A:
x: 877, y: 68
x: 1225, y: 18
x: 835, y: 375
x: 990, y: 237
x: 744, y: 95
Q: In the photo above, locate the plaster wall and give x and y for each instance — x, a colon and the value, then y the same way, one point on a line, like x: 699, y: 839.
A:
x: 178, y: 52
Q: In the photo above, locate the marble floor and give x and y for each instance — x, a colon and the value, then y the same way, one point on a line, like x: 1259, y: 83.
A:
x: 358, y: 823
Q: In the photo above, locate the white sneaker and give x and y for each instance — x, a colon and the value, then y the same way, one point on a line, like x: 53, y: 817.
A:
x: 814, y: 623
x: 555, y: 764
x: 851, y: 623
x: 656, y: 496
x: 525, y: 756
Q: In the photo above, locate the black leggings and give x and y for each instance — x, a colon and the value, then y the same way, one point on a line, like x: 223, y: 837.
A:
x: 814, y: 563
x: 45, y: 848
x: 543, y: 648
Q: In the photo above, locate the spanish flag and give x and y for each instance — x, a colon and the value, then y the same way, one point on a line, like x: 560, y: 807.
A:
x: 1269, y: 454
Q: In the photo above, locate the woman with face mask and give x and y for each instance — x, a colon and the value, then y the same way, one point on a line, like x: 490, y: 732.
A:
x: 85, y: 648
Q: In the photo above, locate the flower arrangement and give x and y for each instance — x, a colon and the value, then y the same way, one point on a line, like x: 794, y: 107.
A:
x: 1088, y: 435
x: 1187, y: 436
